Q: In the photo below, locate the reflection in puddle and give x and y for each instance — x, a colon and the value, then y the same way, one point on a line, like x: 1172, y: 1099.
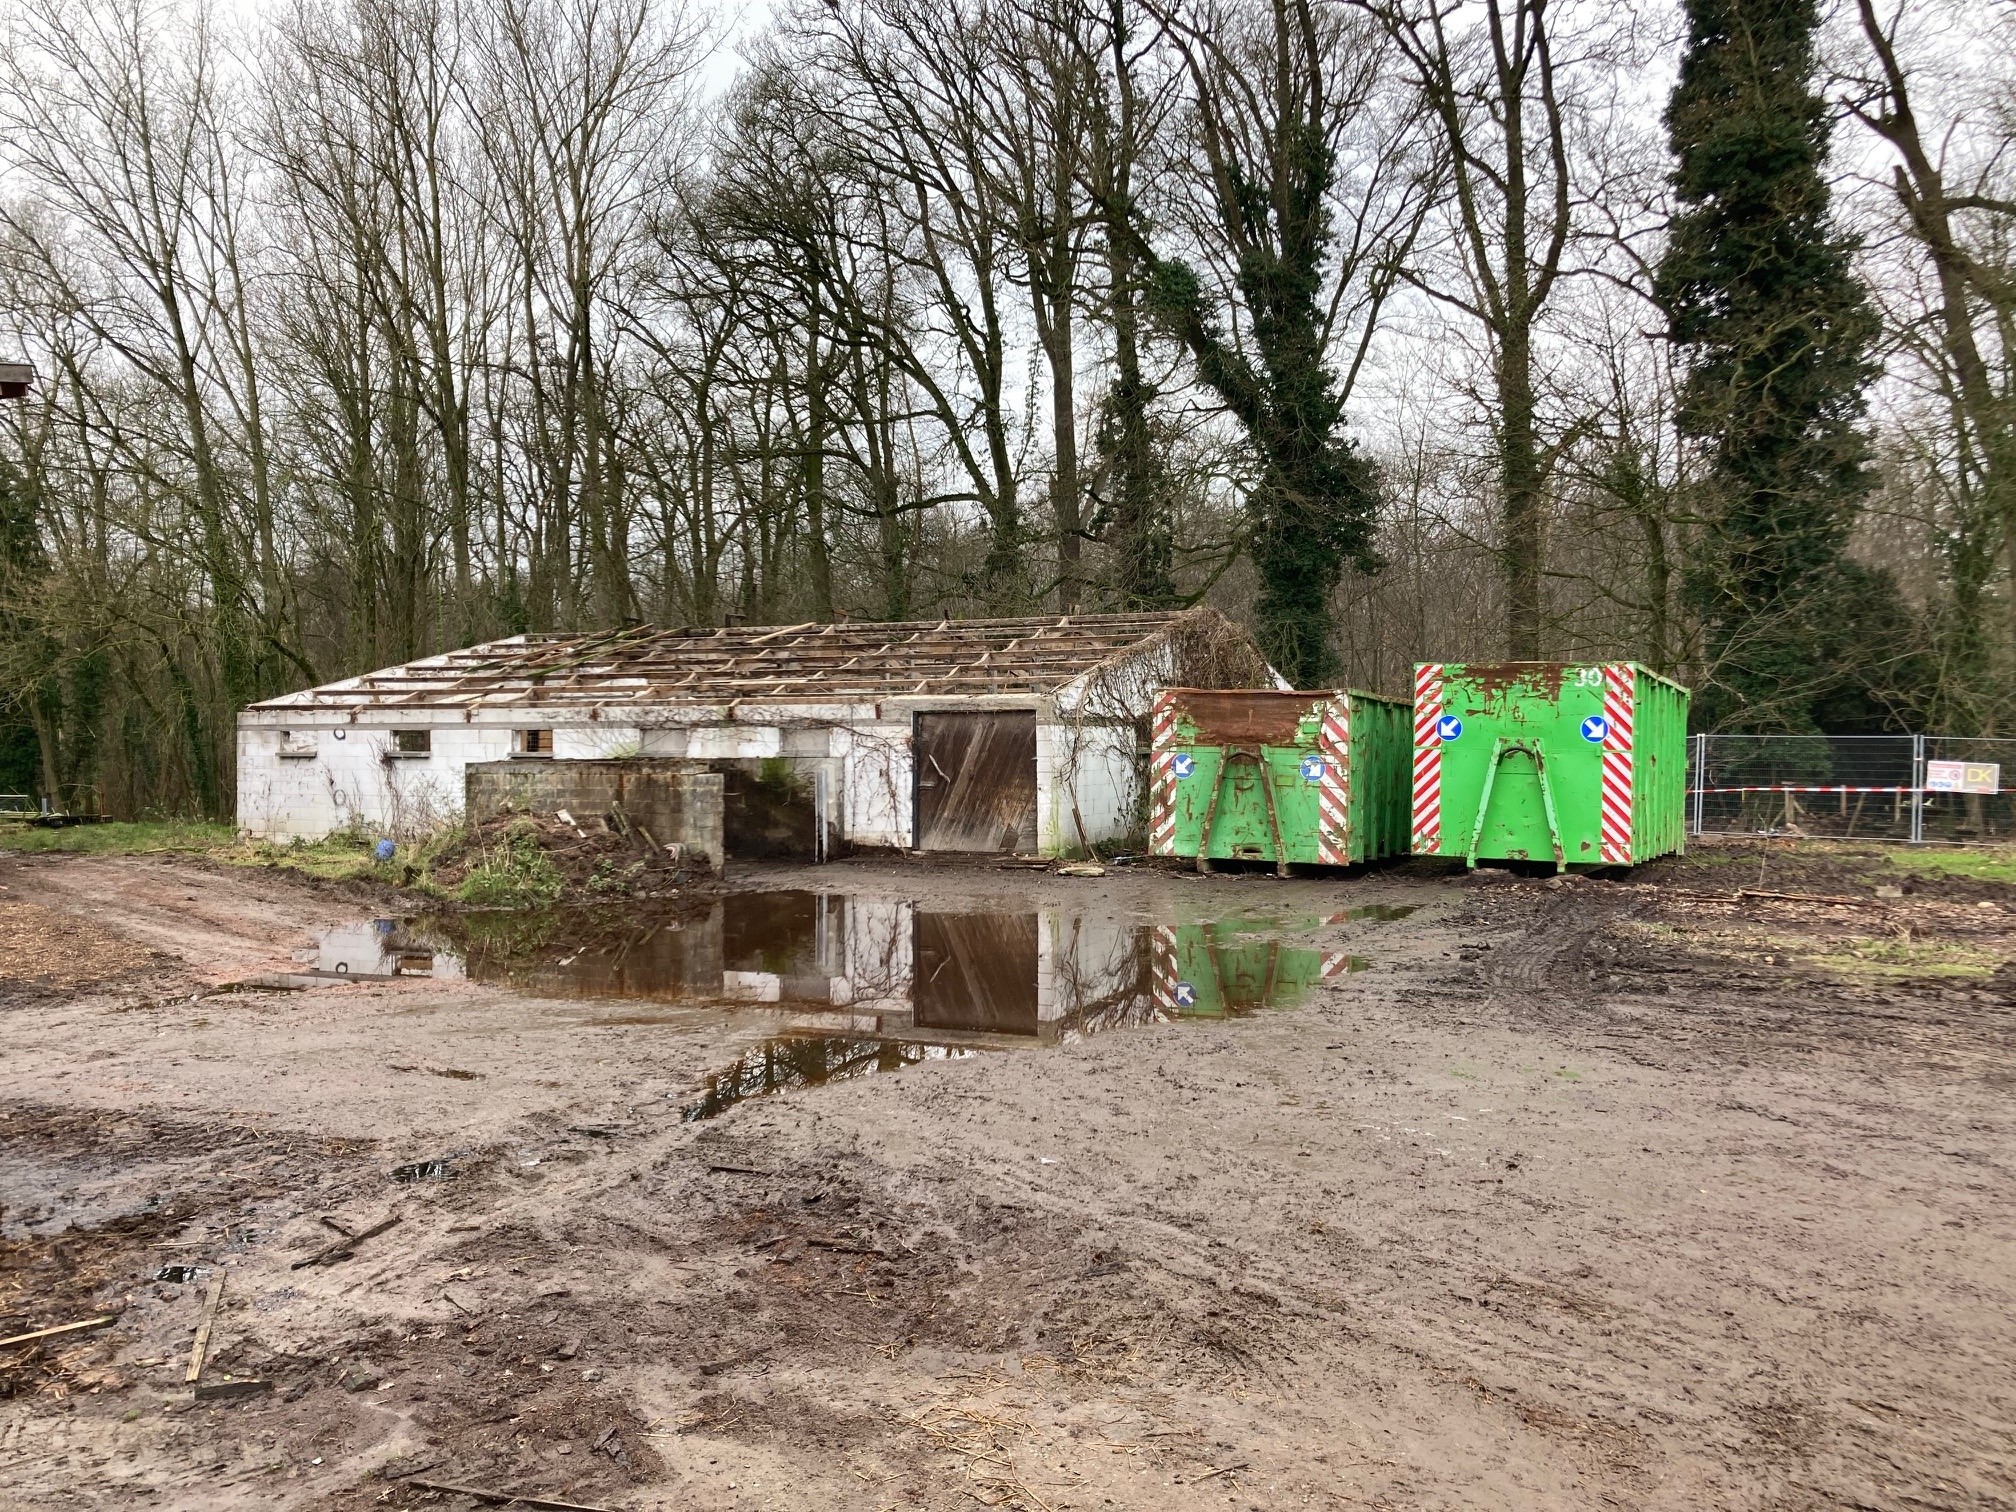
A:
x: 380, y: 948
x: 810, y: 1060
x: 422, y: 1170
x: 1383, y: 912
x: 865, y: 983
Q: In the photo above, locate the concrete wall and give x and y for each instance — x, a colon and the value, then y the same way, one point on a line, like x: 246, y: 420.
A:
x: 351, y: 777
x: 1094, y: 764
x: 672, y: 800
x: 877, y: 786
x: 308, y: 774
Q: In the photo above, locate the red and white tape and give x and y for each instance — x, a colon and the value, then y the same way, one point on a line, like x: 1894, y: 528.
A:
x: 1788, y: 787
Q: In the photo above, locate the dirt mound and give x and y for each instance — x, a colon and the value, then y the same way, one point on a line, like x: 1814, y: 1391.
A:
x: 516, y: 859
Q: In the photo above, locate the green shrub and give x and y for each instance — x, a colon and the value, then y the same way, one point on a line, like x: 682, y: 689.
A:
x: 514, y: 873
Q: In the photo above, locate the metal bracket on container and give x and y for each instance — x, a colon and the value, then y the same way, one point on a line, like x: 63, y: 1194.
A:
x: 1500, y: 749
x: 1232, y: 754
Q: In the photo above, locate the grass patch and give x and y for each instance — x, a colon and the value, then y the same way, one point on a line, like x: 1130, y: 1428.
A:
x: 1893, y: 959
x: 138, y: 838
x: 339, y: 858
x: 1982, y: 865
x: 504, y: 863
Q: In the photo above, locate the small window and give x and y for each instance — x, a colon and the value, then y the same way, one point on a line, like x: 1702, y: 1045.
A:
x: 412, y: 742
x: 535, y: 742
x: 297, y: 745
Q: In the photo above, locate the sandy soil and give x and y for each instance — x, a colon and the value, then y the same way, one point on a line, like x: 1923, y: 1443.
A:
x: 1592, y: 1195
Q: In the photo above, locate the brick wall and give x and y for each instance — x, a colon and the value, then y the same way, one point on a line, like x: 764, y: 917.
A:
x: 671, y: 799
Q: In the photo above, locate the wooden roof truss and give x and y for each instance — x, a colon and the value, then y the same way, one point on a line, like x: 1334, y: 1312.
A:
x: 808, y: 663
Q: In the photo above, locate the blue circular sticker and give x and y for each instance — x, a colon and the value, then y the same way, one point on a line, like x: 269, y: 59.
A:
x: 1183, y: 766
x: 1186, y: 995
x: 1595, y: 729
x: 1449, y: 727
x: 1312, y: 768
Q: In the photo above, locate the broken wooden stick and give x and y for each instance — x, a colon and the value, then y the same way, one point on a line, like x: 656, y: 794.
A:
x: 715, y: 1367
x: 344, y: 1246
x: 516, y: 1498
x: 842, y: 1247
x: 1663, y: 893
x: 1226, y: 1470
x: 1785, y: 897
x: 204, y: 1324
x: 85, y: 1326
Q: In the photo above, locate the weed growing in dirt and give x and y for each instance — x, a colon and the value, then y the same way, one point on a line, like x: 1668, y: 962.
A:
x: 514, y: 872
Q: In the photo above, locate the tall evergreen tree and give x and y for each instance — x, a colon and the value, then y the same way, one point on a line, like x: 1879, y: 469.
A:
x: 1776, y: 334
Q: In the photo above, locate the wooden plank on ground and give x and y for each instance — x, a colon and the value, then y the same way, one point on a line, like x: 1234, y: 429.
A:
x: 203, y: 1326
x: 515, y: 1498
x: 85, y: 1326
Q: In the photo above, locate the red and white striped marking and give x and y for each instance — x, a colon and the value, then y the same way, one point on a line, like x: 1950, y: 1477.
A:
x: 1164, y: 972
x: 1427, y: 758
x: 1162, y: 778
x: 1619, y: 700
x: 1333, y: 790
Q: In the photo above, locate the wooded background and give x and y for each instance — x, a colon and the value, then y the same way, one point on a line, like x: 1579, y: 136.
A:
x: 368, y: 328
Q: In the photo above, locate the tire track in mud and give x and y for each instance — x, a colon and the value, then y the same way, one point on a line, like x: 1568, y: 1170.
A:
x: 1552, y: 946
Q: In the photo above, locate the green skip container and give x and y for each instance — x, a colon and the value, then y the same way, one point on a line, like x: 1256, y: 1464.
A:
x: 1539, y: 761
x: 1317, y: 779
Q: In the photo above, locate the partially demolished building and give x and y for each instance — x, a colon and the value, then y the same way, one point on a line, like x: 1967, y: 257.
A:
x: 1021, y: 734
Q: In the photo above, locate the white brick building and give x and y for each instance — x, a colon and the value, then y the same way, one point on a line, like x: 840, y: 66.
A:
x: 1008, y: 734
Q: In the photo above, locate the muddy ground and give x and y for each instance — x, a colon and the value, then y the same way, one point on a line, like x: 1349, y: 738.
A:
x: 1607, y: 1194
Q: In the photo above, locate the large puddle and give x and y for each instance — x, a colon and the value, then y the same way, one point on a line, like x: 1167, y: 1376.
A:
x: 863, y: 984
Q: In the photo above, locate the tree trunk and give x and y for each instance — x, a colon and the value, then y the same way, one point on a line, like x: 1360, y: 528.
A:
x: 1065, y: 506
x: 820, y: 560
x: 1522, y: 503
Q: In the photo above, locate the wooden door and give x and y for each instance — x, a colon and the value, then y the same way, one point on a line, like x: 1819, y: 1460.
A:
x: 976, y: 781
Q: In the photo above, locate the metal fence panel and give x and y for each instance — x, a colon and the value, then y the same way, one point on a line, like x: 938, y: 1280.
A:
x: 1845, y: 786
x: 1969, y: 817
x: 1926, y: 789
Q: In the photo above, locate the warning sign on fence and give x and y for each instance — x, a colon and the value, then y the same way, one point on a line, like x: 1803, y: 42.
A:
x: 1963, y: 777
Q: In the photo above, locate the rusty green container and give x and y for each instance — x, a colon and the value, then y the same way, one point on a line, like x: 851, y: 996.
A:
x: 1317, y: 779
x: 1581, y: 765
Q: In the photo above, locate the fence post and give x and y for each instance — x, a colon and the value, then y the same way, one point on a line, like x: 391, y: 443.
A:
x: 1699, y: 794
x: 1917, y: 789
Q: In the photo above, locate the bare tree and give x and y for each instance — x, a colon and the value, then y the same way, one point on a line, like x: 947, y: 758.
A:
x: 1969, y: 316
x: 1488, y: 75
